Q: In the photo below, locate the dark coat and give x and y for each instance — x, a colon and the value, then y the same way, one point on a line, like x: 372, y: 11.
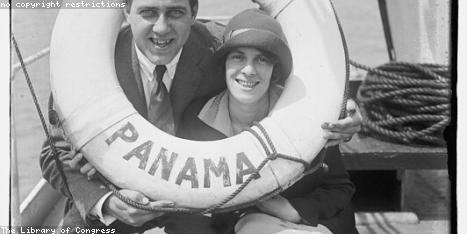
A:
x: 193, y: 79
x: 320, y: 198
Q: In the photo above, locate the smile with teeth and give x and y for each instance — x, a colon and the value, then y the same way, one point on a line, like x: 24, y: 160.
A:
x: 247, y: 84
x: 161, y: 43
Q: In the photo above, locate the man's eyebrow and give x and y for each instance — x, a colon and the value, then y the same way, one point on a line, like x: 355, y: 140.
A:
x: 147, y: 8
x: 181, y: 7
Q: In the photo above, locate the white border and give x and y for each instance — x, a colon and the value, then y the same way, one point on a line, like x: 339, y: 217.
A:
x: 4, y: 115
x: 462, y: 119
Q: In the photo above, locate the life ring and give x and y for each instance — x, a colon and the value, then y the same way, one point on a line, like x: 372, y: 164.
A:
x: 134, y: 154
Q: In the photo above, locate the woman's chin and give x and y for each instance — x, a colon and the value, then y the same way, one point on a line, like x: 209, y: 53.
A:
x: 245, y: 99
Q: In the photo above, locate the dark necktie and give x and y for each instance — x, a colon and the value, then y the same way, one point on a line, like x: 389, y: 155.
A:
x: 160, y: 109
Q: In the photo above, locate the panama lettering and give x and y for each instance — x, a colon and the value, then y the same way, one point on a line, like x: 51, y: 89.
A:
x: 165, y: 161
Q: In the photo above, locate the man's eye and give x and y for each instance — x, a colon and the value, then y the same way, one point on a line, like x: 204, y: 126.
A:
x: 176, y: 13
x: 148, y: 13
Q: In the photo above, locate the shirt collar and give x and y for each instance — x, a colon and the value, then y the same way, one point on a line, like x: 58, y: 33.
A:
x: 149, y: 67
x: 215, y: 112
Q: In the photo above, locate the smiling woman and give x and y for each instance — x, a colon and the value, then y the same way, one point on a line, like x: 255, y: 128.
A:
x: 253, y: 44
x: 106, y: 128
x: 248, y: 74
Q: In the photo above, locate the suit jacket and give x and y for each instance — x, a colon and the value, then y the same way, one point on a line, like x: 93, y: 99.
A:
x: 194, y: 78
x: 323, y: 197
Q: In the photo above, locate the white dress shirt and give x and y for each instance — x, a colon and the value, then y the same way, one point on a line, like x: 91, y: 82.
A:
x: 148, y: 80
x: 147, y: 73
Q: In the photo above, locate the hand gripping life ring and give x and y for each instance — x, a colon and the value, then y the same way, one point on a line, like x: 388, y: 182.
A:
x: 133, y: 154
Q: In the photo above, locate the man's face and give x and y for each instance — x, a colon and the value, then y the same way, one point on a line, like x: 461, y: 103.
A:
x: 160, y: 27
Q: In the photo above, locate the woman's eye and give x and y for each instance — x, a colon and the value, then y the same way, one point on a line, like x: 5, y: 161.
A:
x: 264, y: 60
x: 236, y: 57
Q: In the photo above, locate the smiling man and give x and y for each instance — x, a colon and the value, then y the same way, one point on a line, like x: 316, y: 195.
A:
x: 161, y: 28
x: 163, y: 61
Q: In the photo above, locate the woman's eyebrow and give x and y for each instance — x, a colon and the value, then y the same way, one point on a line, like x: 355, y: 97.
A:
x: 236, y: 51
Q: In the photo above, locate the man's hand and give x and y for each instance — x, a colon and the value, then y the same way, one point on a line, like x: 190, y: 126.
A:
x: 75, y: 162
x: 342, y: 130
x: 280, y: 207
x: 130, y: 215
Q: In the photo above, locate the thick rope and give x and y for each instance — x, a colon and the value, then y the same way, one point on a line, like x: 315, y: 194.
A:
x: 406, y: 103
x: 308, y: 168
x: 41, y: 115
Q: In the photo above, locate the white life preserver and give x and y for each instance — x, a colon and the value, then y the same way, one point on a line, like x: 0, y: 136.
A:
x: 134, y: 154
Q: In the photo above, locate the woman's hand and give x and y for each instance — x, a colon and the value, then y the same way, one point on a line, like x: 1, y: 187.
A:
x: 280, y: 207
x: 272, y: 7
x: 342, y: 130
x: 75, y: 162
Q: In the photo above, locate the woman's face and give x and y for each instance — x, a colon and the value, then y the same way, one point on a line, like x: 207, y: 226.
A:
x: 248, y: 74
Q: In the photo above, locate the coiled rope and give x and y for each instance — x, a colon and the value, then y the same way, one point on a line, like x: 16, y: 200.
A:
x: 405, y: 102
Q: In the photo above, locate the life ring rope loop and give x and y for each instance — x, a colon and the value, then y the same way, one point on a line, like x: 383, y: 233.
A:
x: 274, y: 154
x: 271, y: 155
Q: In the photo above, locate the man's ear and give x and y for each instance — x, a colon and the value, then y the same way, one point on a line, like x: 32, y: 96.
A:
x: 194, y: 12
x: 126, y: 12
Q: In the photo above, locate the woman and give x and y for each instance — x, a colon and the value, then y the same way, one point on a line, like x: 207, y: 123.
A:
x: 256, y: 61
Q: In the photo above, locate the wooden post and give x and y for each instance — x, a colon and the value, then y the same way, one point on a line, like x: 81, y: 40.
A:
x: 15, y: 219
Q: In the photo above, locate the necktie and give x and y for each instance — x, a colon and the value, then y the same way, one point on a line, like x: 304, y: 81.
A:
x: 160, y: 109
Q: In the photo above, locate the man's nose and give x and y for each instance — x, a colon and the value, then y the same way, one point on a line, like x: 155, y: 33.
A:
x: 161, y: 25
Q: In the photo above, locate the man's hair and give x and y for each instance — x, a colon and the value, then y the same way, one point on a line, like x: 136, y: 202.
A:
x: 193, y: 5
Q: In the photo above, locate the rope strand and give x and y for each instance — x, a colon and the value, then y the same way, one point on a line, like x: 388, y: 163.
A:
x: 405, y: 103
x: 41, y: 115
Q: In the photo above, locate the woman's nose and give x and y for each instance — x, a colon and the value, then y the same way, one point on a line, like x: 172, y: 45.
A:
x: 249, y: 69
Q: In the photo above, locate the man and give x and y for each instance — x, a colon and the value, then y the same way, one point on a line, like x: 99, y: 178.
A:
x: 160, y: 32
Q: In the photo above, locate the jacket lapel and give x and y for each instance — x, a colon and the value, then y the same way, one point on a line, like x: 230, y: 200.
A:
x: 127, y: 68
x: 191, y: 70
